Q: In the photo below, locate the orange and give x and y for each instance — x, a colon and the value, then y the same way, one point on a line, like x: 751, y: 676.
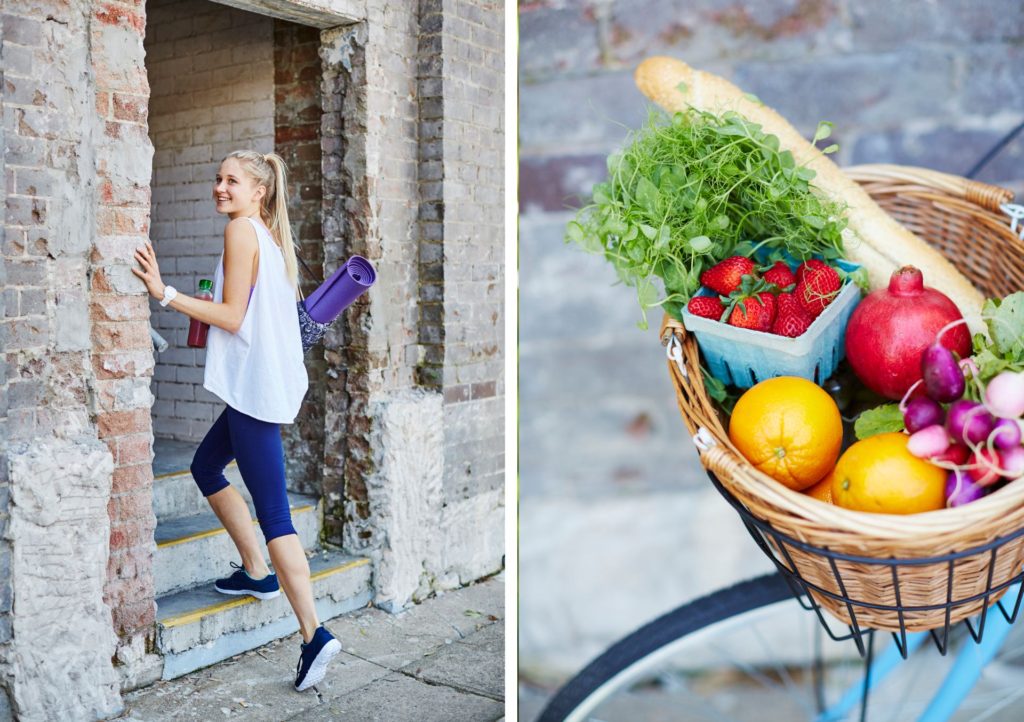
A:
x: 823, y: 489
x: 789, y: 428
x: 878, y: 474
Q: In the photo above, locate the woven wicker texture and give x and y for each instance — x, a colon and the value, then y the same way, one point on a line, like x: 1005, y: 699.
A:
x: 961, y: 219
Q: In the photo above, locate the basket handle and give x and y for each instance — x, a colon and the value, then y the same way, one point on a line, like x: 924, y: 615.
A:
x: 671, y: 326
x: 985, y: 195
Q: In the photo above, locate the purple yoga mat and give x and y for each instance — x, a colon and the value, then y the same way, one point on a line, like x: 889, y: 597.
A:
x: 339, y: 291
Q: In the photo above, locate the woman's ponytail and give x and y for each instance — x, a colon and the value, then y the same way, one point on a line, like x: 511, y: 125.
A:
x: 277, y: 207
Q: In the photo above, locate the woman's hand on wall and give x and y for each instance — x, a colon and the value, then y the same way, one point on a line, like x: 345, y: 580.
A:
x: 150, y: 273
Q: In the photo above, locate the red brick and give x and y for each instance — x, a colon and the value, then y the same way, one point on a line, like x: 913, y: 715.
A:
x: 100, y: 282
x: 131, y: 536
x: 110, y: 337
x: 122, y: 536
x: 110, y: 14
x: 131, y: 478
x: 483, y: 390
x: 137, y: 505
x: 126, y: 364
x: 132, y: 618
x: 119, y: 394
x: 287, y: 134
x: 132, y: 108
x: 116, y: 307
x: 455, y: 394
x: 133, y: 449
x: 130, y: 563
x: 120, y: 221
x: 122, y: 423
x: 102, y: 104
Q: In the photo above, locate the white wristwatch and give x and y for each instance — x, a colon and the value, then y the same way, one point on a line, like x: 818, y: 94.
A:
x: 170, y: 293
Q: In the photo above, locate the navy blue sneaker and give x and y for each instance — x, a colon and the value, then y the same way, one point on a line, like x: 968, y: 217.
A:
x: 316, y: 655
x: 241, y: 583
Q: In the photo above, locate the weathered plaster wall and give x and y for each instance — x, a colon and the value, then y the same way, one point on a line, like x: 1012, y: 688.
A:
x: 63, y: 640
x: 211, y: 71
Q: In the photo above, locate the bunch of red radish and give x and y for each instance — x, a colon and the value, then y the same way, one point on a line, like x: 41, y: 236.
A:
x: 979, y: 442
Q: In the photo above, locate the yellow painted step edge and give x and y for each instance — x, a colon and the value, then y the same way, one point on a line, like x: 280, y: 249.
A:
x: 197, y: 614
x: 186, y: 471
x: 222, y: 530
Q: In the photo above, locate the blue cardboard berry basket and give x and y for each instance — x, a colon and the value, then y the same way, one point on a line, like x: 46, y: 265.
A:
x: 742, y: 357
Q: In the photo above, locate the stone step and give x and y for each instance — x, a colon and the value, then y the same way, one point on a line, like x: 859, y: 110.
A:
x: 195, y: 549
x: 175, y: 493
x: 199, y: 627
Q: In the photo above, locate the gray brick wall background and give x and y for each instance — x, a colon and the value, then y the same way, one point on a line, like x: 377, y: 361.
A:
x: 211, y: 76
x: 5, y: 485
x: 916, y: 83
x: 473, y: 137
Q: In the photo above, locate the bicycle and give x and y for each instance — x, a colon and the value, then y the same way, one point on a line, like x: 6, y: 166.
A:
x: 694, y: 627
x: 984, y: 642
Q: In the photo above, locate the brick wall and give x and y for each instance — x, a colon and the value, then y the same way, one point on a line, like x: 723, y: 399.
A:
x: 76, y: 352
x: 430, y: 370
x: 211, y: 71
x: 122, y: 352
x: 473, y: 222
x: 370, y: 187
x: 5, y: 482
x: 297, y: 116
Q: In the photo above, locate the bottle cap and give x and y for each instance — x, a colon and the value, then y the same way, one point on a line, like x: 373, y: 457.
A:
x: 205, y: 284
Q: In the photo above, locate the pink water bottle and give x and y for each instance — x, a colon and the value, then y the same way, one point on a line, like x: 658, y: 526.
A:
x: 197, y: 329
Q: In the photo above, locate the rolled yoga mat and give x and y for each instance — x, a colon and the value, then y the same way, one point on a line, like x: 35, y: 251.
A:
x: 339, y: 291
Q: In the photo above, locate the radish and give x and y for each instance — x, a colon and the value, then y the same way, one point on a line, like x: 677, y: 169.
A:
x: 957, y: 455
x: 1005, y: 434
x: 1004, y: 395
x: 968, y: 421
x: 1012, y: 461
x: 960, y: 489
x: 922, y: 412
x: 929, y: 441
x: 984, y: 467
x: 943, y: 379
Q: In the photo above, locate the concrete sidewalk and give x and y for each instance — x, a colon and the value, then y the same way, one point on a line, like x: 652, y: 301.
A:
x: 441, y: 660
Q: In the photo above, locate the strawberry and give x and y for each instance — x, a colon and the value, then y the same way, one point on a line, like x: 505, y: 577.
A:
x: 754, y: 312
x: 809, y: 263
x: 817, y: 288
x: 706, y: 307
x: 780, y: 275
x: 725, y: 276
x: 791, y: 319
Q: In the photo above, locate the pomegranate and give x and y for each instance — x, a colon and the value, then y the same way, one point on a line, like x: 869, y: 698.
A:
x: 890, y: 329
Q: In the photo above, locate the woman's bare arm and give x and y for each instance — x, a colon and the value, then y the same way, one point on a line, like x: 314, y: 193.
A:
x: 240, y: 250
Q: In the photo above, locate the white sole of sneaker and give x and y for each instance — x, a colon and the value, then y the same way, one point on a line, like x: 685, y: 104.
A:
x: 318, y: 669
x: 240, y: 592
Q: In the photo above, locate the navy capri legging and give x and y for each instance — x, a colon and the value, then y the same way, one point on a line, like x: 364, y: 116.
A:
x: 256, y: 445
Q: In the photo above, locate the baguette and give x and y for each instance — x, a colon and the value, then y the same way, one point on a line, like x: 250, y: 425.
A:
x: 872, y: 237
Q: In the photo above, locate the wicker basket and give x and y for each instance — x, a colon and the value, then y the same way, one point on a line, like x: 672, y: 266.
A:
x: 907, y: 573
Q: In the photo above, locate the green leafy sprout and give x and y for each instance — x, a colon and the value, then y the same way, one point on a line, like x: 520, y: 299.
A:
x: 693, y: 188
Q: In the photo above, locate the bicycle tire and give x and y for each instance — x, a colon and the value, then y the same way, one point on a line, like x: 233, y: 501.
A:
x: 582, y: 692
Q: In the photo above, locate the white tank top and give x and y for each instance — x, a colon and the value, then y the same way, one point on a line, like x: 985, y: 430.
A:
x: 260, y: 370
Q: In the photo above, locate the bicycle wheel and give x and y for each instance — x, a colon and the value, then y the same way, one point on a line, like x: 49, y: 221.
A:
x: 750, y: 652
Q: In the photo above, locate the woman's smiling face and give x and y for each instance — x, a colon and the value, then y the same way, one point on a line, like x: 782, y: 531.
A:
x: 235, y: 191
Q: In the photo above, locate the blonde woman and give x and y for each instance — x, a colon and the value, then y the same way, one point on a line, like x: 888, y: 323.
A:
x: 254, y: 364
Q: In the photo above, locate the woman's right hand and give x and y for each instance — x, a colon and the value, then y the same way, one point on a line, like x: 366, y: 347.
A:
x: 150, y: 273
